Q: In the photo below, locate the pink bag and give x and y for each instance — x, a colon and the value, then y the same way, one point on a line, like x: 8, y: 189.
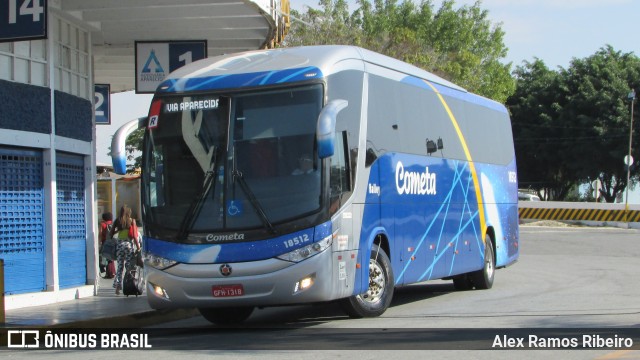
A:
x: 133, y: 231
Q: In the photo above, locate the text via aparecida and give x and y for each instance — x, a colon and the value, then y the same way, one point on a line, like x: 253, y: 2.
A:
x: 415, y: 182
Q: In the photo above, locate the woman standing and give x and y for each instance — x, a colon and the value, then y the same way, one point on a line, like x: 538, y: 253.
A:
x: 127, y: 245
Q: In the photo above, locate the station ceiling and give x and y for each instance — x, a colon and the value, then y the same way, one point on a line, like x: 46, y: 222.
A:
x: 227, y: 25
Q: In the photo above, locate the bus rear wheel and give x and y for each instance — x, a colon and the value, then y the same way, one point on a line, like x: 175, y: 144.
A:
x: 226, y: 316
x: 377, y: 298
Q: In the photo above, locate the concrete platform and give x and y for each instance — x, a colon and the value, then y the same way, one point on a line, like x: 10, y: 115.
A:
x: 104, y: 310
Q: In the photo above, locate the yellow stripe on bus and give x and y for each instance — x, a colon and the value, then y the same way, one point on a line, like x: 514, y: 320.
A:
x: 467, y: 153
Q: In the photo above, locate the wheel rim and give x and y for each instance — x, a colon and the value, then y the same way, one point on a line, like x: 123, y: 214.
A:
x: 490, y: 268
x: 377, y: 283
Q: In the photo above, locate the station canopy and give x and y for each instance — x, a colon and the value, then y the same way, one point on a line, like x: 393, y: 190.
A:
x: 227, y: 25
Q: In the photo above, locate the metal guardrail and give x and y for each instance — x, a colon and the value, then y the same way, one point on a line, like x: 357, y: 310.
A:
x: 551, y: 210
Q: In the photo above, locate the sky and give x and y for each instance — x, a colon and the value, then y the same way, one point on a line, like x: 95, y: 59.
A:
x: 555, y: 31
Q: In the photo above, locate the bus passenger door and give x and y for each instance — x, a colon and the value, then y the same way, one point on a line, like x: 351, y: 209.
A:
x: 377, y: 217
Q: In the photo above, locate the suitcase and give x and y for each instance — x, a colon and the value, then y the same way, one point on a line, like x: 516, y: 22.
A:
x: 110, y: 270
x: 133, y: 283
x: 107, y: 268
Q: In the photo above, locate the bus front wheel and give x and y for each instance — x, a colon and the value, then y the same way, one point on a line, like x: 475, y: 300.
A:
x: 226, y: 316
x: 377, y: 298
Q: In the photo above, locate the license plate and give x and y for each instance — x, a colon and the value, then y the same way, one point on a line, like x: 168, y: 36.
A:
x: 227, y: 290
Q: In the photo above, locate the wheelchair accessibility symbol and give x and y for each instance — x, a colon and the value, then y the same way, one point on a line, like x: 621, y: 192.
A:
x: 234, y: 208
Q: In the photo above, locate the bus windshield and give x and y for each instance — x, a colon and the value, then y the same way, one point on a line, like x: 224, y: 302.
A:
x: 231, y: 162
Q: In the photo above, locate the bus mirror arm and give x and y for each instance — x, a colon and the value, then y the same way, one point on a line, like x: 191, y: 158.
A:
x: 326, y: 130
x: 118, y: 144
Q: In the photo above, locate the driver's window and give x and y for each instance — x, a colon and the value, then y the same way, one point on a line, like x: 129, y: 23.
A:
x: 339, y: 173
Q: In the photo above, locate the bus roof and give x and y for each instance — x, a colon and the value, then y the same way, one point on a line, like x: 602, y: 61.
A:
x: 322, y: 57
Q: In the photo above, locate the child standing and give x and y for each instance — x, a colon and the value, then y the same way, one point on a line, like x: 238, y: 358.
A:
x: 106, y: 266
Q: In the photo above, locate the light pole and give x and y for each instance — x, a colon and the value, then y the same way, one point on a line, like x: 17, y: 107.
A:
x: 632, y: 97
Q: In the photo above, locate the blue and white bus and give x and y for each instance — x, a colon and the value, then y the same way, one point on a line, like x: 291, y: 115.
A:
x: 314, y: 174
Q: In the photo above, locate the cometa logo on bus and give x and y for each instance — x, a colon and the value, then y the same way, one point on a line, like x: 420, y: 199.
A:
x: 415, y: 183
x: 225, y: 237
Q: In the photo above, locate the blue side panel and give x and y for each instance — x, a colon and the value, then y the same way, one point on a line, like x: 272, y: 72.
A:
x: 240, y: 80
x: 431, y: 205
x: 499, y: 190
x: 72, y: 246
x: 22, y: 240
x: 429, y: 211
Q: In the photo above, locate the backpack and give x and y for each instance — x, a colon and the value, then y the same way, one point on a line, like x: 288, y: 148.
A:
x: 107, y: 233
x: 109, y: 228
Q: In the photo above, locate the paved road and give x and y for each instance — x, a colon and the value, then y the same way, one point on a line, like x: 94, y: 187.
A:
x: 566, y: 277
x: 577, y: 278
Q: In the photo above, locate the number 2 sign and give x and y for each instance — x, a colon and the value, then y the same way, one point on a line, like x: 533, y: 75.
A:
x: 24, y: 20
x: 102, y: 104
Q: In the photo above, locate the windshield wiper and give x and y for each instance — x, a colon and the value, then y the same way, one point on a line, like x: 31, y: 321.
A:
x: 253, y: 200
x: 196, y: 205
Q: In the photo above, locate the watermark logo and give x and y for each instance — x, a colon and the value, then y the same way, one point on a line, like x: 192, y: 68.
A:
x: 63, y: 339
x: 23, y: 339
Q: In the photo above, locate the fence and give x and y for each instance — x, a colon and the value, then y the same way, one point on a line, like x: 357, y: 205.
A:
x: 578, y: 211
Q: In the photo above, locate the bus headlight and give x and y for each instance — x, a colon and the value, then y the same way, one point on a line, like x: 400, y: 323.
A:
x: 159, y: 291
x: 307, y: 251
x: 304, y: 283
x: 158, y: 262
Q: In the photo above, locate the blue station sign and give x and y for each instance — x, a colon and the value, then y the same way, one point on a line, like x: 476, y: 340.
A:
x: 22, y: 20
x: 156, y: 59
x: 102, y: 93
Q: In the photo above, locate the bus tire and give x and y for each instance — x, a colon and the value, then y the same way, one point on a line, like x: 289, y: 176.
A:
x: 226, y: 316
x: 377, y: 298
x: 483, y: 278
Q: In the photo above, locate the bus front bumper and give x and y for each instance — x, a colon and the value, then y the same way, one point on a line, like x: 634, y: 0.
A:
x: 259, y: 283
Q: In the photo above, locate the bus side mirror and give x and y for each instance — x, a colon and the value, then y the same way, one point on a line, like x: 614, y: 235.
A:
x: 118, y: 150
x: 326, y: 130
x: 431, y: 147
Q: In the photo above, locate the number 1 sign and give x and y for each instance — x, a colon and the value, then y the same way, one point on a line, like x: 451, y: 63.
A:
x: 156, y: 59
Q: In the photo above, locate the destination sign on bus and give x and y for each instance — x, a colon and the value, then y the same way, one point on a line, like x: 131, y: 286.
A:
x: 206, y: 104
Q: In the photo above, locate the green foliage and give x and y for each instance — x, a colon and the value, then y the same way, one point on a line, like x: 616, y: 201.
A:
x: 461, y: 45
x: 539, y: 136
x: 597, y: 105
x: 572, y: 126
x: 133, y: 146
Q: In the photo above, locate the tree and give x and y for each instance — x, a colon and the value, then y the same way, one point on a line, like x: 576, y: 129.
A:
x: 331, y: 25
x: 596, y: 92
x: 572, y: 126
x: 461, y: 45
x: 133, y: 146
x: 539, y: 136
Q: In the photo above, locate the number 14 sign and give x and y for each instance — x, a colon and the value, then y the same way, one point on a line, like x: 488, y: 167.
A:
x: 24, y: 20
